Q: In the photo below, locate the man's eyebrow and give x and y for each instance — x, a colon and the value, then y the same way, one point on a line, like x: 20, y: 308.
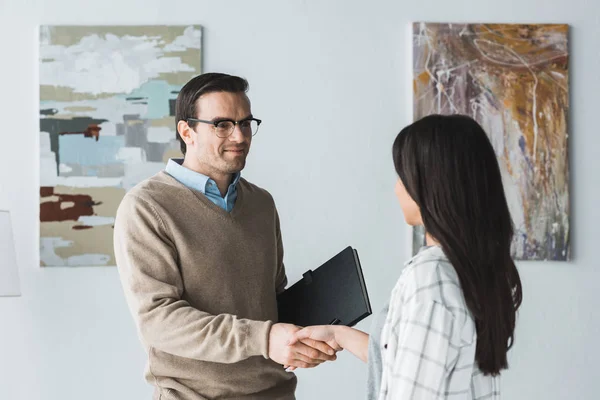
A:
x: 230, y: 119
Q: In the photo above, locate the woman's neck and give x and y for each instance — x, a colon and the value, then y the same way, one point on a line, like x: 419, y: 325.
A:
x: 430, y: 241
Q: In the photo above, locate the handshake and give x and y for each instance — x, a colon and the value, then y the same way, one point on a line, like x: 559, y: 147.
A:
x: 295, y: 347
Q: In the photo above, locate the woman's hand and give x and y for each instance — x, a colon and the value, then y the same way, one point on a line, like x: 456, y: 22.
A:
x: 338, y: 337
x: 319, y: 333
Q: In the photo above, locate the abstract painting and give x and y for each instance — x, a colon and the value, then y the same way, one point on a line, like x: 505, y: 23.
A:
x: 107, y: 101
x: 513, y: 79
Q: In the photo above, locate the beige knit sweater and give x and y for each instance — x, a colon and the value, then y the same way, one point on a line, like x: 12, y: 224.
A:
x: 201, y: 284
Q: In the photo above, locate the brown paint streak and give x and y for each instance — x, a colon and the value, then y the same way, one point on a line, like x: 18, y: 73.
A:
x: 92, y: 130
x: 46, y: 191
x: 81, y: 227
x: 51, y: 211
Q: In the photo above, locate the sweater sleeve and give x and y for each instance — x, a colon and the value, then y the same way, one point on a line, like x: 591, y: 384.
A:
x: 281, y: 279
x: 147, y: 262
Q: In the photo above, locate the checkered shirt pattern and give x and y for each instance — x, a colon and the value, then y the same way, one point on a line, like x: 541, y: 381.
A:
x: 429, y: 337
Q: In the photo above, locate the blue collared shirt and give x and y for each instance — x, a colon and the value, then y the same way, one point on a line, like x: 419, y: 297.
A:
x: 204, y: 184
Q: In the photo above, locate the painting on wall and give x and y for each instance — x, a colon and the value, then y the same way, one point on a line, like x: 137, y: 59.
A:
x: 107, y: 105
x: 513, y: 79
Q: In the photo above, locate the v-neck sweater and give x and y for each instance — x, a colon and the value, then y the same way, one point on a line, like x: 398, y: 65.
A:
x: 201, y: 284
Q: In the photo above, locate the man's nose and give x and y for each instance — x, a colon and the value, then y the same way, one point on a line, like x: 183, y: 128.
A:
x: 237, y: 135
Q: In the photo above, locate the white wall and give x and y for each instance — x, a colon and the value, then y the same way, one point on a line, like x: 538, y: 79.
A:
x: 330, y: 79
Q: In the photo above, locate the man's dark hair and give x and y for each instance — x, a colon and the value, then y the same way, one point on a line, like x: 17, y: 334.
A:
x: 185, y: 106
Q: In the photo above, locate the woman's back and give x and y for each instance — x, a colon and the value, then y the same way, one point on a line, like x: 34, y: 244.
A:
x: 429, y: 339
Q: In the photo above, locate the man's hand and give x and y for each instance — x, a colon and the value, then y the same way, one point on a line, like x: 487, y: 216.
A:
x: 293, y: 353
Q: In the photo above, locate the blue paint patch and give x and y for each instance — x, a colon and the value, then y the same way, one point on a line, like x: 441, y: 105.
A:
x: 524, y: 151
x: 77, y: 149
x: 91, y: 172
x: 157, y: 93
x: 522, y: 144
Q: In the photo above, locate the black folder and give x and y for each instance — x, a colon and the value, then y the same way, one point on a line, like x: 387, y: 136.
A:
x: 334, y: 293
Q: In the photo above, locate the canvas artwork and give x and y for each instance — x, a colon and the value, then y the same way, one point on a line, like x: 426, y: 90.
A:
x: 513, y: 79
x: 107, y: 101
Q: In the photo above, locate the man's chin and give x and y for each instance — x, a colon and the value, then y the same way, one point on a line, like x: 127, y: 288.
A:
x: 234, y: 168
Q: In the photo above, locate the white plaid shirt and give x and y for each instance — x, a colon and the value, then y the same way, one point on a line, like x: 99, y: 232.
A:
x: 429, y: 337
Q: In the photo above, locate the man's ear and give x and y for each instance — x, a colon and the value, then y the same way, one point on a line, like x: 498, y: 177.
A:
x: 185, y: 132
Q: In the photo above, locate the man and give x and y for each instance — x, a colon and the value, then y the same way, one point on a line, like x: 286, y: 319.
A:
x: 200, y: 257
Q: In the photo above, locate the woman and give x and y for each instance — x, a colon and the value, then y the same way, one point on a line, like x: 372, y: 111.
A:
x: 451, y: 315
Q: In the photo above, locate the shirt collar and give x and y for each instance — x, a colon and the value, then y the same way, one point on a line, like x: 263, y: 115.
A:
x: 236, y: 179
x: 193, y: 179
x: 427, y: 253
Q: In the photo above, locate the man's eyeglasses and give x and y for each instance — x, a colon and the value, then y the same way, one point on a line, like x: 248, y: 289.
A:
x: 225, y: 127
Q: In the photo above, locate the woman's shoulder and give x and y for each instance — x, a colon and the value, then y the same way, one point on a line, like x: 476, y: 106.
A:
x: 429, y: 276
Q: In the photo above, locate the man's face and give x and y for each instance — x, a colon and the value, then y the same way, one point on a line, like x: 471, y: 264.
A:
x: 214, y: 154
